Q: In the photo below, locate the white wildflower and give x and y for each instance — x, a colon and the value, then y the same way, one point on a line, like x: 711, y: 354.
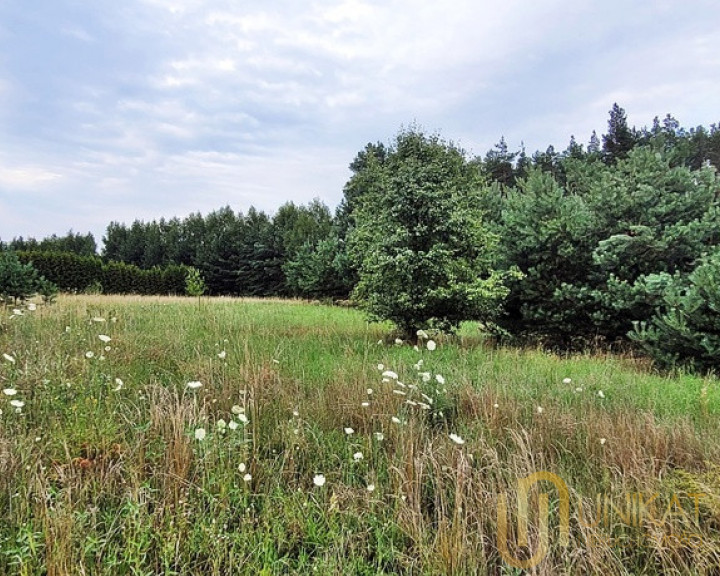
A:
x: 105, y: 338
x: 455, y: 438
x: 349, y: 431
x: 422, y: 334
x: 601, y: 394
x: 233, y: 425
x: 200, y: 434
x: 222, y: 355
x: 9, y: 358
x: 358, y: 456
x: 439, y: 379
x: 567, y: 380
x: 431, y: 345
x: 9, y: 391
x: 319, y: 480
x: 194, y: 384
x: 247, y: 477
x: 390, y: 374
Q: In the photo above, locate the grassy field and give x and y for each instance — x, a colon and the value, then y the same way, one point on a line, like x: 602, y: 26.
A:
x: 171, y: 436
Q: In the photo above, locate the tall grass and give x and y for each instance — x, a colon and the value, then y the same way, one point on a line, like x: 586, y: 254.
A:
x: 105, y: 468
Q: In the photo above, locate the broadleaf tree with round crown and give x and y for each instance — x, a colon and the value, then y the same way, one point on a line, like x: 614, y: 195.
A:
x: 425, y: 257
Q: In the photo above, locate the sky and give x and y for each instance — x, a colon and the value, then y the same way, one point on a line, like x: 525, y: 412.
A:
x: 142, y: 109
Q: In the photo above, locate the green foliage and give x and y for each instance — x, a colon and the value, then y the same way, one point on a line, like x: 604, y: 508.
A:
x: 18, y: 281
x: 322, y: 270
x: 598, y: 251
x: 547, y: 234
x: 685, y: 331
x: 423, y: 254
x: 48, y: 290
x: 194, y: 283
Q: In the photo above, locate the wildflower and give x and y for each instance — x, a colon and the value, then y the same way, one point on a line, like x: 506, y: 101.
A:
x: 426, y: 376
x: 399, y: 392
x: 567, y: 380
x: 98, y: 319
x: 601, y: 394
x: 9, y: 391
x: 381, y: 367
x: 539, y: 409
x: 349, y: 431
x: 365, y: 404
x: 242, y: 467
x: 319, y: 480
x: 200, y: 434
x: 221, y: 424
x: 398, y: 341
x: 419, y: 364
x: 222, y: 355
x: 32, y: 306
x: 440, y: 380
x: 602, y: 441
x: 390, y: 374
x: 371, y: 487
x: 17, y: 312
x: 247, y: 477
x: 431, y: 345
x: 118, y: 385
x: 400, y: 384
x: 67, y: 329
x: 194, y: 385
x: 422, y: 334
x: 89, y: 354
x: 496, y: 405
x: 105, y: 338
x: 396, y: 420
x: 243, y: 418
x: 455, y: 438
x: 369, y: 391
x: 358, y: 456
x: 9, y: 358
x: 296, y: 413
x: 233, y: 425
x: 578, y: 389
x: 237, y: 409
x: 379, y: 436
x: 108, y: 348
x: 17, y: 404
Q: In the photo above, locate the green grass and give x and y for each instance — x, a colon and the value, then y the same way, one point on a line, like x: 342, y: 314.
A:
x: 101, y: 479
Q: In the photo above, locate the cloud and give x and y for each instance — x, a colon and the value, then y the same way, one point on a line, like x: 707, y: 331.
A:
x: 149, y: 108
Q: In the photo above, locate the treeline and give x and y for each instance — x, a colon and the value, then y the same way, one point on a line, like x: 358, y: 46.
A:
x: 615, y: 241
x: 296, y: 252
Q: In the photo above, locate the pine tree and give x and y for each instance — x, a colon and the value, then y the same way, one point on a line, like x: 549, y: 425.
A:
x: 620, y: 139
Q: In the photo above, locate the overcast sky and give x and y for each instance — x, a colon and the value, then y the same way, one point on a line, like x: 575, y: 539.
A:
x: 125, y: 109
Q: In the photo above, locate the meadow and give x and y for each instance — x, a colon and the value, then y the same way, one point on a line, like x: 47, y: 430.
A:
x: 152, y: 435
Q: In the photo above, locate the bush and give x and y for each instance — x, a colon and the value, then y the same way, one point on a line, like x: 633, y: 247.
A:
x: 686, y: 329
x: 18, y: 281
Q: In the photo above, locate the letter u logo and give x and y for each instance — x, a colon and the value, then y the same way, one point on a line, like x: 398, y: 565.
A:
x: 524, y: 487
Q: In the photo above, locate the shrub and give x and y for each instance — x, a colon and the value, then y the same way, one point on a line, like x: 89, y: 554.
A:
x: 686, y: 329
